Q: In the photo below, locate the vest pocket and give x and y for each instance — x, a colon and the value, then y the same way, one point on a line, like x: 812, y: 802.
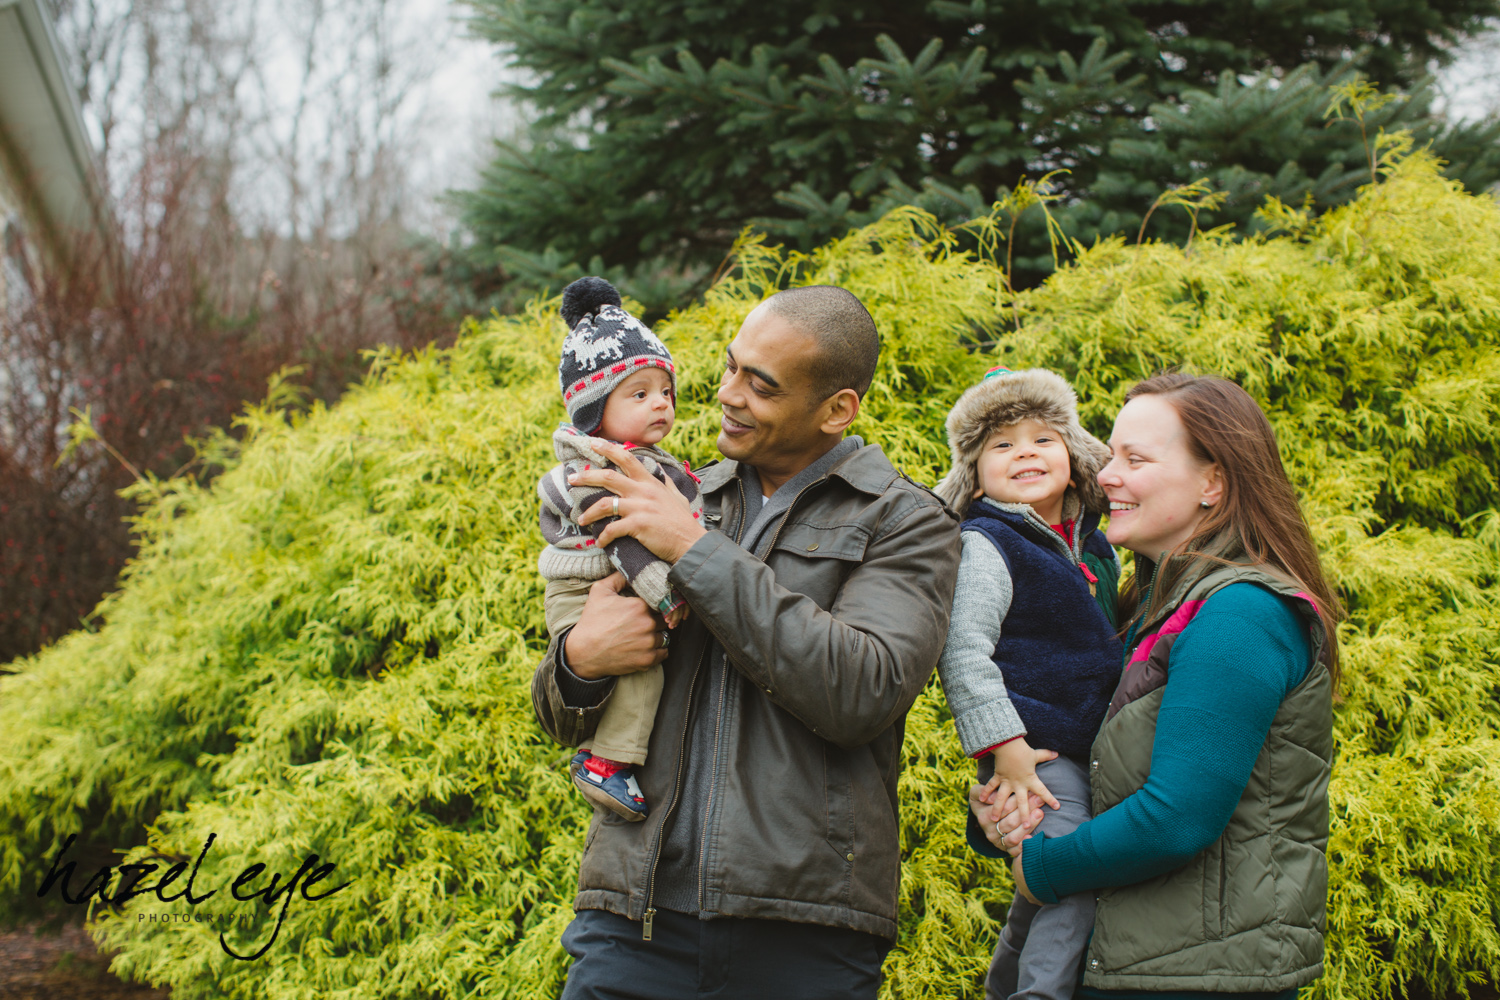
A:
x: 1214, y: 878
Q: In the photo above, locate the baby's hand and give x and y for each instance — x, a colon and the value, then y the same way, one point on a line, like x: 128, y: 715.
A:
x: 676, y: 616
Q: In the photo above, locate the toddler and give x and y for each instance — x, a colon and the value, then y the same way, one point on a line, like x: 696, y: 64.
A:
x: 1032, y: 658
x: 618, y: 383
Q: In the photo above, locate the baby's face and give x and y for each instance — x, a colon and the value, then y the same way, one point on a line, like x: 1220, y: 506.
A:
x: 641, y: 408
x: 1026, y: 463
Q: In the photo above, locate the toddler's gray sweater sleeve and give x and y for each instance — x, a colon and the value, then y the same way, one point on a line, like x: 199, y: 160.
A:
x: 982, y: 711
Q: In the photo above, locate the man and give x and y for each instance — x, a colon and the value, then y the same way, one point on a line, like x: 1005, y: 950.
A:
x: 820, y: 588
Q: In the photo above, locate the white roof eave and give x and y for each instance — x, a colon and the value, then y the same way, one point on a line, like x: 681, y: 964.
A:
x: 44, y: 149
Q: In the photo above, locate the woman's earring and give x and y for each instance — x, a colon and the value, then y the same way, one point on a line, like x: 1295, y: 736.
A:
x: 1204, y: 504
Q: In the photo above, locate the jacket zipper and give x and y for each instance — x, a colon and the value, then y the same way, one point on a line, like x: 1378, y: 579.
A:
x: 649, y: 917
x: 719, y: 711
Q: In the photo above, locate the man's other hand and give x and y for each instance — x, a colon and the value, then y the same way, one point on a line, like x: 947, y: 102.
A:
x: 614, y: 635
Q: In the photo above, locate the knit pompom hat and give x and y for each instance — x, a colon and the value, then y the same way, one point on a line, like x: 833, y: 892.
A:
x: 1004, y: 398
x: 605, y: 344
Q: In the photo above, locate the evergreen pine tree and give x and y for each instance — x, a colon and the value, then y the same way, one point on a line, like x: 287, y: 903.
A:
x: 664, y: 126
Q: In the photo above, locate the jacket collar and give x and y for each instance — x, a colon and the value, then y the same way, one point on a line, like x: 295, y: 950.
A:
x: 866, y: 469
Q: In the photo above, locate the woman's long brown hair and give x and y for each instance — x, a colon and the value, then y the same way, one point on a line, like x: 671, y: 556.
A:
x: 1258, y: 509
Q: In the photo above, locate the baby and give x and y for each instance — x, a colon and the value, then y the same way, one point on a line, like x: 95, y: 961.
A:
x: 618, y: 383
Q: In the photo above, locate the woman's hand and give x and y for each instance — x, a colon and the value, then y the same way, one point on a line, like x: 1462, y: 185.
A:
x: 1019, y: 874
x: 1004, y: 830
x: 1020, y: 822
x: 980, y: 804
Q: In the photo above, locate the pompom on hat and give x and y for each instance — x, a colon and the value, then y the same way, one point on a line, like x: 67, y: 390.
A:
x: 604, y: 346
x: 1004, y: 398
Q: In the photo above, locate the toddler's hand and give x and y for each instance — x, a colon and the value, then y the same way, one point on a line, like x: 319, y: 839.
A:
x: 1015, y: 767
x: 676, y: 616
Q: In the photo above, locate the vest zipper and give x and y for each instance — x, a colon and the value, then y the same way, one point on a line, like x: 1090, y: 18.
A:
x: 1144, y: 606
x: 649, y: 917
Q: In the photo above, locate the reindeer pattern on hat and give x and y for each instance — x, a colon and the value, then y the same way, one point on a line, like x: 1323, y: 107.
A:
x: 589, y: 348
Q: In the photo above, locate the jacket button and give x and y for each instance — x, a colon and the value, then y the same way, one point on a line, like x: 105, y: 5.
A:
x: 848, y: 857
x: 1095, y: 765
x: 767, y: 690
x: 1093, y: 963
x: 813, y: 547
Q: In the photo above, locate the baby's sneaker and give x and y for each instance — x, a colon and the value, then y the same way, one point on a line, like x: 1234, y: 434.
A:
x: 610, y: 784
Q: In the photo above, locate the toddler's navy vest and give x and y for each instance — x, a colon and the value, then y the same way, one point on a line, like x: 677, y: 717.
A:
x: 1057, y: 652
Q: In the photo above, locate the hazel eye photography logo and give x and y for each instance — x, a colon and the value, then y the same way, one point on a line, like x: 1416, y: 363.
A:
x: 132, y: 879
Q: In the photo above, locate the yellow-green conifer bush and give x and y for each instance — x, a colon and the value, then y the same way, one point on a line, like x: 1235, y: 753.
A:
x: 329, y: 651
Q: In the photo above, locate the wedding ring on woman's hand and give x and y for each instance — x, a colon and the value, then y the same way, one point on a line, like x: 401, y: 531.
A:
x: 615, y: 509
x: 666, y: 639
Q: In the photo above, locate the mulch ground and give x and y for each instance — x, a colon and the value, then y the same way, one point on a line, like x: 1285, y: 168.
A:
x: 65, y: 965
x: 61, y: 965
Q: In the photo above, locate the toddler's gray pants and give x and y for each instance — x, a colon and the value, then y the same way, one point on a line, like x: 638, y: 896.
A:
x: 1040, y: 954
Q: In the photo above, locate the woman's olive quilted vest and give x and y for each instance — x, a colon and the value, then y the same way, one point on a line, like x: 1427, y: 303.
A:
x: 1247, y: 914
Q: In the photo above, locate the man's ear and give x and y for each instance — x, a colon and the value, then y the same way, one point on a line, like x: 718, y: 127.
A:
x: 839, y: 411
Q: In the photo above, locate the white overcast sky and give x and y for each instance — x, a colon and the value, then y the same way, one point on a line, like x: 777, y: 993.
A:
x: 469, y: 70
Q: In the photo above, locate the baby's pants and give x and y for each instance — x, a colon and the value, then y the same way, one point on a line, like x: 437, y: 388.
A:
x: 625, y: 727
x: 1041, y: 949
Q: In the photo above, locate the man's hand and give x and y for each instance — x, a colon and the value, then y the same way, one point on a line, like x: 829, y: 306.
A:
x: 650, y: 510
x: 614, y: 635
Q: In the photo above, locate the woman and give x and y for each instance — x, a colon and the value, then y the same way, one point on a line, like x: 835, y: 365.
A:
x: 1209, y: 777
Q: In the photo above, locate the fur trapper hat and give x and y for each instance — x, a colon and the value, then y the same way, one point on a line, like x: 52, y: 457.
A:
x: 605, y: 345
x: 1004, y: 398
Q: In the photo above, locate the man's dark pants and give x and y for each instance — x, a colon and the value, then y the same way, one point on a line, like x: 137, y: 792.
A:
x: 728, y: 959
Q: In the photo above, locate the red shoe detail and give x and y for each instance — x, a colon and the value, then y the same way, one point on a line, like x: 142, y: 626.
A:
x: 603, y: 766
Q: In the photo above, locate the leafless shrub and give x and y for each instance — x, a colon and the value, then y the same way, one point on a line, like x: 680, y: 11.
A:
x: 241, y: 235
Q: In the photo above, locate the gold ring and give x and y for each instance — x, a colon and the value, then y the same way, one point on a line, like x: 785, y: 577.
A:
x: 616, y: 507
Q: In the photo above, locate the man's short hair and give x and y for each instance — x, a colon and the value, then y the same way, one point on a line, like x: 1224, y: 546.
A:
x: 848, y: 343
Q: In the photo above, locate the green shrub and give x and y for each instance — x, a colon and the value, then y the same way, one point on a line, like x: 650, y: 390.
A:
x: 329, y: 651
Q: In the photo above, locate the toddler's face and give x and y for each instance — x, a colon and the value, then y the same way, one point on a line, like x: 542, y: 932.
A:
x: 641, y: 409
x: 1026, y: 463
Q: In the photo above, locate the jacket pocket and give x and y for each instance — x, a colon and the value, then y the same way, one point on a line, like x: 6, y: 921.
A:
x: 843, y: 541
x: 816, y: 560
x: 839, y: 797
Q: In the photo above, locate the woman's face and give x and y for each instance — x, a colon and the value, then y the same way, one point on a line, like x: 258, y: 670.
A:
x: 1156, y: 487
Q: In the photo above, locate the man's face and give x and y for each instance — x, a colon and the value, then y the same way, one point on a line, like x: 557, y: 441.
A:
x: 771, y: 420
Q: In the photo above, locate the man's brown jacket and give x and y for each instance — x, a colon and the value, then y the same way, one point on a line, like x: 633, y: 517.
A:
x: 831, y: 629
